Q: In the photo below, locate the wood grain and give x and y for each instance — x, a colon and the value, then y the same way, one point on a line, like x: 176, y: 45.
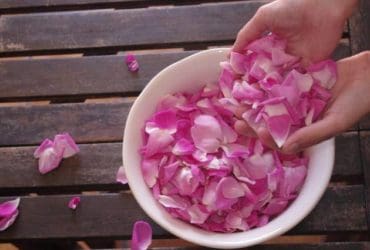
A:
x: 94, y: 168
x: 359, y: 27
x: 365, y: 155
x: 8, y: 4
x: 92, y: 75
x: 85, y: 122
x: 107, y: 28
x: 112, y: 215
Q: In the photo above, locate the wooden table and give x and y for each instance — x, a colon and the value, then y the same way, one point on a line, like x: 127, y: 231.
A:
x: 62, y: 69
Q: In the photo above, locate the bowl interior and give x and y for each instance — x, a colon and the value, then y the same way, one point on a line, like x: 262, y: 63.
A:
x: 189, y: 75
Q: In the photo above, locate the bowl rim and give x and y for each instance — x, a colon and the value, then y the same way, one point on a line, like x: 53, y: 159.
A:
x: 226, y: 245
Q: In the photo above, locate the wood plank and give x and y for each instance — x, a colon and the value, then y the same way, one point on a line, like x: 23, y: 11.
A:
x: 112, y: 215
x: 365, y: 155
x: 86, y: 122
x: 359, y: 27
x: 347, y: 154
x: 333, y: 207
x: 92, y: 75
x: 321, y: 246
x: 132, y: 27
x: 9, y: 4
x: 94, y: 168
x: 15, y: 4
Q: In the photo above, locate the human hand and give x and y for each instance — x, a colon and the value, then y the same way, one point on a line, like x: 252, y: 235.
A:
x: 312, y: 28
x: 349, y: 103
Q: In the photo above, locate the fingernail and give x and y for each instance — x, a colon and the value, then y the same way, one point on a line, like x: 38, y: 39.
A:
x: 294, y: 147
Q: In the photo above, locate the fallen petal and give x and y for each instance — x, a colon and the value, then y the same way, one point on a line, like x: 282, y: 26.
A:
x: 74, y: 202
x: 47, y: 143
x: 65, y: 143
x: 49, y: 160
x: 9, y: 207
x: 141, y: 236
x: 7, y: 221
x: 132, y: 63
x: 121, y: 175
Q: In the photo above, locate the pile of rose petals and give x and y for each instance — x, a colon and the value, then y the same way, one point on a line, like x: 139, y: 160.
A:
x: 50, y: 153
x: 8, y: 213
x: 206, y: 174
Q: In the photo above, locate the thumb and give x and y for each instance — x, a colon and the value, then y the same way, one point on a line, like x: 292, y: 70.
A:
x: 313, y: 134
x: 251, y: 31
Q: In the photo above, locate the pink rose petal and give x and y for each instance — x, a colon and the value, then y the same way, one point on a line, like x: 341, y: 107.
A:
x: 74, y: 202
x: 8, y: 213
x: 47, y: 143
x: 49, y: 160
x: 279, y: 127
x: 206, y: 133
x: 6, y: 222
x: 121, y: 175
x: 183, y: 147
x: 7, y: 208
x: 132, y: 63
x: 64, y: 142
x: 141, y: 236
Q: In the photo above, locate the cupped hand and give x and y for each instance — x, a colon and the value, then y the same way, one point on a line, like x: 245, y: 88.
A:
x: 312, y: 28
x: 349, y: 103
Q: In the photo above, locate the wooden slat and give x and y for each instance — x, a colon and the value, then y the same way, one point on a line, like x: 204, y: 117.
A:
x: 8, y: 4
x: 26, y: 5
x: 359, y: 25
x: 112, y: 215
x: 26, y: 125
x: 347, y: 154
x: 328, y: 211
x: 76, y: 76
x: 94, y: 168
x: 86, y: 122
x: 107, y: 28
x: 365, y: 154
x: 321, y: 246
x: 88, y: 75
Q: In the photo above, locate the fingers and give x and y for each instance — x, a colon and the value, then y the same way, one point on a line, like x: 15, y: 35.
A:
x: 251, y: 31
x: 241, y: 127
x: 313, y: 134
x: 265, y: 137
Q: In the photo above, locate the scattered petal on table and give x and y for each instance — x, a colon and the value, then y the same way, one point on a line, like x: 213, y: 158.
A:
x: 121, y: 175
x: 49, y: 160
x: 7, y: 208
x: 132, y: 63
x: 141, y: 236
x: 74, y: 202
x: 64, y: 142
x: 8, y: 213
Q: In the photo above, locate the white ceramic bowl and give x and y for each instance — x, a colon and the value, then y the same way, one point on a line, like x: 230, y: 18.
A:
x: 190, y: 74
